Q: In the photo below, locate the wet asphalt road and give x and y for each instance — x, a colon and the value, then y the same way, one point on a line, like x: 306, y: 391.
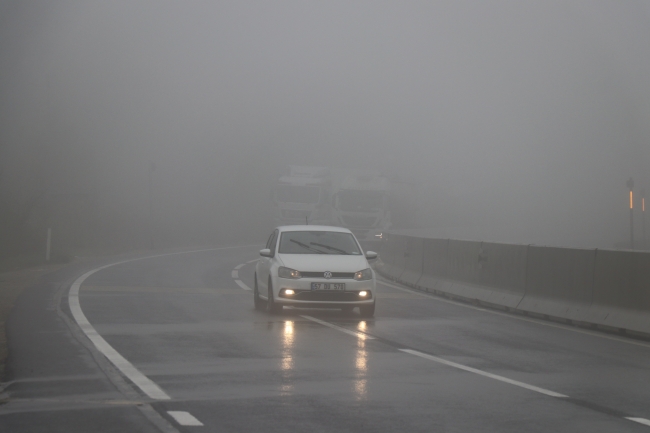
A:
x: 184, y: 322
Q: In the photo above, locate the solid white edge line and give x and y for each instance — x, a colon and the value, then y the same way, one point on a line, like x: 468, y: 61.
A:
x: 360, y: 335
x: 252, y: 261
x: 241, y: 284
x: 139, y: 379
x: 484, y: 373
x: 129, y: 370
x: 234, y: 274
x: 639, y: 420
x: 240, y: 266
x: 184, y: 418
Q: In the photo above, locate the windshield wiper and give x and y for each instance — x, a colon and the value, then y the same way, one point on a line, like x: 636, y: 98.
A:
x: 329, y: 248
x: 307, y: 246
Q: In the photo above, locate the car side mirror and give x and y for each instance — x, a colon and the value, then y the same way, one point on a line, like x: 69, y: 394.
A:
x: 371, y: 255
x: 266, y: 253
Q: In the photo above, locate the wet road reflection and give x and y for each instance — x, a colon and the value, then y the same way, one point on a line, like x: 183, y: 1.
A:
x: 287, y: 362
x: 361, y: 366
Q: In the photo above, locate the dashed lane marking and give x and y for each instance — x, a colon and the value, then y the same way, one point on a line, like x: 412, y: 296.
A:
x: 529, y: 387
x: 639, y: 420
x: 365, y: 336
x: 184, y: 418
x: 443, y: 361
x: 484, y: 373
x: 360, y: 335
x: 515, y: 317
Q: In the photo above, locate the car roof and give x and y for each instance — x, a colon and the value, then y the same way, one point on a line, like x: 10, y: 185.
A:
x: 313, y: 229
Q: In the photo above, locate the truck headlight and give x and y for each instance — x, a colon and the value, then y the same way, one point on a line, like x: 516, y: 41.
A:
x: 289, y: 273
x: 366, y: 274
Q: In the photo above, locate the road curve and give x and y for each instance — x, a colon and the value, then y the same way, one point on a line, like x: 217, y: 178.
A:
x: 172, y: 343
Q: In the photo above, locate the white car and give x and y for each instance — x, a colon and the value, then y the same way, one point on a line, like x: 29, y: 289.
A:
x: 314, y: 266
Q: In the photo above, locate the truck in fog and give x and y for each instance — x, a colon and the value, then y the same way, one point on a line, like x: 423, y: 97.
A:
x: 368, y: 203
x: 302, y: 196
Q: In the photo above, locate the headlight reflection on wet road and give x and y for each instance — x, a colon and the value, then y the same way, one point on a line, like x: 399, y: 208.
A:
x: 361, y: 365
x: 287, y: 363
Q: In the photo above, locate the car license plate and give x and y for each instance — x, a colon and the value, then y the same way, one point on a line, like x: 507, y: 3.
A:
x: 328, y: 286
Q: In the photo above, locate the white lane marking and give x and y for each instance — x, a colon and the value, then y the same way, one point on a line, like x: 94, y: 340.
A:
x: 403, y: 289
x: 240, y: 266
x: 234, y: 274
x: 184, y: 418
x: 360, y: 335
x: 515, y: 317
x: 140, y: 380
x: 484, y: 373
x: 639, y: 420
x: 253, y: 261
x: 241, y: 284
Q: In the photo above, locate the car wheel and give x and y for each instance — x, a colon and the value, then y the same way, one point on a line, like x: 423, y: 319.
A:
x: 271, y: 306
x: 367, y: 310
x: 259, y: 304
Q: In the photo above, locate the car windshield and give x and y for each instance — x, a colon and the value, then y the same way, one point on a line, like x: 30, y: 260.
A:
x: 297, y: 194
x: 318, y: 242
x: 360, y: 201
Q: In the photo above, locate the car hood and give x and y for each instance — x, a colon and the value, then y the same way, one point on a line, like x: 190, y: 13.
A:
x: 324, y: 262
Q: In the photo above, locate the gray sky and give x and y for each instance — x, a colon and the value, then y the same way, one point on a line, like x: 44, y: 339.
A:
x: 521, y: 120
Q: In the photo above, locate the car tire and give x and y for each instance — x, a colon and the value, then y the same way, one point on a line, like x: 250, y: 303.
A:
x: 367, y: 310
x: 271, y: 306
x: 259, y: 303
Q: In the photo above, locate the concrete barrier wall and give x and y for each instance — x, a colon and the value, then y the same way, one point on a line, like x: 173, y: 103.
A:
x: 465, y: 269
x: 621, y: 295
x: 502, y: 268
x: 559, y: 282
x: 412, y: 261
x: 463, y: 261
x: 599, y: 287
x: 391, y: 255
x: 384, y: 256
x: 434, y: 264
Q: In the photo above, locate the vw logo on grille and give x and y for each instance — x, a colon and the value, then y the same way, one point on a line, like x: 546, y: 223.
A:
x: 327, y: 275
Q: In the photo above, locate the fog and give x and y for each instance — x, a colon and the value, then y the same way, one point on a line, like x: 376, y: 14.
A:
x: 519, y: 121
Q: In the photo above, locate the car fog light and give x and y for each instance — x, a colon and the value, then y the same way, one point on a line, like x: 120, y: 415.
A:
x: 363, y: 293
x: 289, y: 292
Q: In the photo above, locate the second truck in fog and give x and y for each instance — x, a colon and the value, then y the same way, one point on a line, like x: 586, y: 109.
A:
x: 366, y: 202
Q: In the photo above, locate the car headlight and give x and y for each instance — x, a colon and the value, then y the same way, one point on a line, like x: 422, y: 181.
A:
x: 366, y: 274
x: 289, y: 273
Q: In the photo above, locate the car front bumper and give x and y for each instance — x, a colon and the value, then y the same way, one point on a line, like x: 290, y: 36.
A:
x: 306, y: 297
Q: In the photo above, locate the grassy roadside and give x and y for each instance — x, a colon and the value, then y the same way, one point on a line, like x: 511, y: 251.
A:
x: 11, y: 284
